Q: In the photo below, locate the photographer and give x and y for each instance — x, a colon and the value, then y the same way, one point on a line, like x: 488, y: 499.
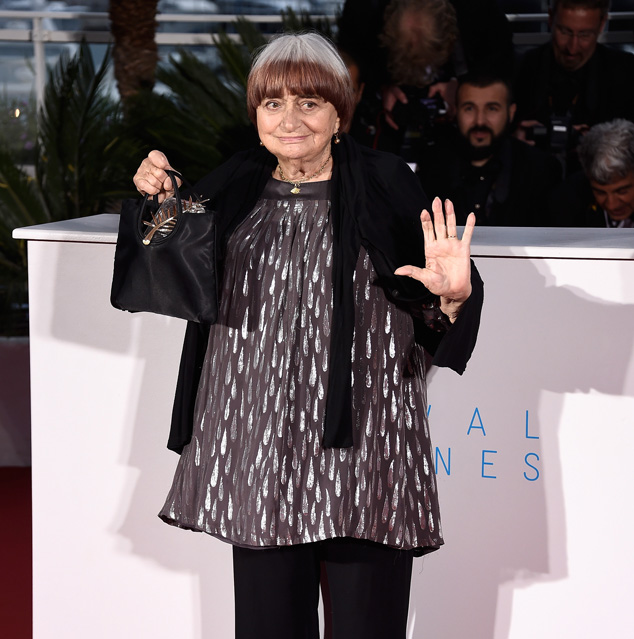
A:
x: 502, y: 180
x: 572, y: 82
x: 411, y: 52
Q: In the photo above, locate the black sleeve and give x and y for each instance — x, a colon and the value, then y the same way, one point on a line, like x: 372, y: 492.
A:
x: 393, y: 235
x: 191, y: 365
x: 453, y: 348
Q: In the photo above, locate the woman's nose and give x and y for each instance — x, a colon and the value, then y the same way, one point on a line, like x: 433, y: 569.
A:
x: 290, y: 119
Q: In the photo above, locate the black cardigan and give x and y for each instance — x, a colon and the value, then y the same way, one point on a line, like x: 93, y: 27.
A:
x: 376, y: 202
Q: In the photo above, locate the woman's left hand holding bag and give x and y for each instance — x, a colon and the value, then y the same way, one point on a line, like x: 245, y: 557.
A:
x: 151, y: 178
x: 165, y: 259
x: 447, y: 271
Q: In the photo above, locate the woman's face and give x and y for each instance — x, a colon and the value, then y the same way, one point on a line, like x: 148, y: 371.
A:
x: 297, y: 127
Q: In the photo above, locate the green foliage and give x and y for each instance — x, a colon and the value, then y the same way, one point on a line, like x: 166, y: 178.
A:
x: 18, y: 128
x: 204, y: 120
x: 20, y: 205
x: 84, y: 159
x: 302, y: 21
x: 88, y: 149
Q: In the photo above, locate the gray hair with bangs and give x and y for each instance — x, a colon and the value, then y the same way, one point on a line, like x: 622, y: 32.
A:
x: 606, y: 152
x: 301, y: 64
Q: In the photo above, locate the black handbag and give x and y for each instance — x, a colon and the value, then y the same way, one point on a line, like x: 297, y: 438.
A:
x: 165, y: 260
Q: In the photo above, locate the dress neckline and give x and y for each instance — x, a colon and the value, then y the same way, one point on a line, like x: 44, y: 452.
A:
x: 278, y: 189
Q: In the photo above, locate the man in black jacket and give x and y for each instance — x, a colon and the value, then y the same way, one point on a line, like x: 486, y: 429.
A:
x: 602, y: 195
x: 571, y: 83
x: 411, y: 51
x: 503, y: 181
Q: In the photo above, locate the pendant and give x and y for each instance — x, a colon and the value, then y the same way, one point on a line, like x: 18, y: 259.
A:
x: 295, y: 190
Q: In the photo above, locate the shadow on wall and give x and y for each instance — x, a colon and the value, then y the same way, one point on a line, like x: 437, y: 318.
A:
x: 497, y: 433
x: 504, y: 514
x: 123, y: 368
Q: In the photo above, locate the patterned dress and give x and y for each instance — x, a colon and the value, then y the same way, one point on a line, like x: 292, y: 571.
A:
x: 255, y: 473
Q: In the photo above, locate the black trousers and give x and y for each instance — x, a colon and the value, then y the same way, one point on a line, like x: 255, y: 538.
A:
x: 365, y: 588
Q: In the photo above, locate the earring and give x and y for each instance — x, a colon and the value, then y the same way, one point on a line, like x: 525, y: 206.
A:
x: 261, y: 143
x: 337, y: 139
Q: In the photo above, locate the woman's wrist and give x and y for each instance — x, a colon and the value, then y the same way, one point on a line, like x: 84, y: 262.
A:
x: 452, y: 307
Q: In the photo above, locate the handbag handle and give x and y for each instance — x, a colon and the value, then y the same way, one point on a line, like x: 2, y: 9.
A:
x: 160, y: 223
x: 175, y: 174
x: 172, y: 176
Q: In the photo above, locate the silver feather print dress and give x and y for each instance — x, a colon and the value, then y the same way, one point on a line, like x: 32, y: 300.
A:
x: 255, y: 473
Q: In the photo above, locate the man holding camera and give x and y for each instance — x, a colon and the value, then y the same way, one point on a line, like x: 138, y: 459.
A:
x: 572, y: 82
x: 410, y: 52
x: 502, y: 180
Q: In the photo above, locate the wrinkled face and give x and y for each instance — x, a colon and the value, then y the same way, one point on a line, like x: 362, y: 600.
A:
x: 483, y: 113
x: 574, y: 35
x: 295, y: 127
x: 616, y: 198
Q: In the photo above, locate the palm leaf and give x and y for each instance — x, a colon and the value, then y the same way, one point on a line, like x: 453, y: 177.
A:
x: 302, y: 21
x: 20, y: 205
x: 236, y: 58
x: 84, y: 156
x: 206, y: 119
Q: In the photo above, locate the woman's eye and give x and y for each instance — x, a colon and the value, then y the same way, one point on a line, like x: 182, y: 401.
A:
x: 271, y: 104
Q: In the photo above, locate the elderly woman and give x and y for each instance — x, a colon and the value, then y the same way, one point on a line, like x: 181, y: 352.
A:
x: 301, y: 414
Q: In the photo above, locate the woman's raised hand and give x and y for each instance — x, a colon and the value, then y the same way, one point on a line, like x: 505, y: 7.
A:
x: 447, y: 271
x: 151, y: 178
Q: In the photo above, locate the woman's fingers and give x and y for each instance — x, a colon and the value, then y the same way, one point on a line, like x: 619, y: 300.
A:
x: 159, y: 163
x: 151, y: 177
x: 158, y: 159
x: 450, y: 219
x: 412, y: 271
x: 428, y: 227
x: 468, y: 229
x: 439, y: 219
x: 444, y: 225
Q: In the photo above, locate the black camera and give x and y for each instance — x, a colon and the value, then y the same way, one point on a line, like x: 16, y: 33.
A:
x: 417, y: 121
x: 557, y: 136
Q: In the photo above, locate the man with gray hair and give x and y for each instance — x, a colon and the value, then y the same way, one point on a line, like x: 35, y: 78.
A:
x: 603, y: 195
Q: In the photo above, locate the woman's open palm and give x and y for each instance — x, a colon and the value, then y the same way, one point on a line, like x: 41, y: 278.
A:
x: 447, y: 270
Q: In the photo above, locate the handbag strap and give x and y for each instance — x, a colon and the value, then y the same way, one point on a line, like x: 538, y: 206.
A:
x: 173, y: 175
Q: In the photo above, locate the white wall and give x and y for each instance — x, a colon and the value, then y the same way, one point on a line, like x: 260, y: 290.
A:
x: 526, y: 556
x: 544, y: 549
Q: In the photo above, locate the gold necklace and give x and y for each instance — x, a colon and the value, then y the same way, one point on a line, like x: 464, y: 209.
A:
x: 295, y: 190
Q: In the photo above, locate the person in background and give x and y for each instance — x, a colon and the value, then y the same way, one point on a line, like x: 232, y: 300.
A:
x: 301, y: 414
x: 602, y: 194
x: 484, y: 169
x: 572, y: 82
x: 413, y: 50
x: 356, y: 75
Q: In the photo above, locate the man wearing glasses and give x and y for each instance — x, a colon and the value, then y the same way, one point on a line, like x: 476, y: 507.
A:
x: 572, y: 82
